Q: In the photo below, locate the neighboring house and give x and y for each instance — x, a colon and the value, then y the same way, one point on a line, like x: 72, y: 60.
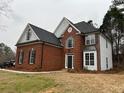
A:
x: 72, y: 46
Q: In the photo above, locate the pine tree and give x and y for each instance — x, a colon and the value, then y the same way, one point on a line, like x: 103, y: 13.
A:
x: 113, y: 27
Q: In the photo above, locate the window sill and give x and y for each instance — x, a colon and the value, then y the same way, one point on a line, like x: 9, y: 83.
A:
x: 69, y: 47
x: 89, y: 44
x: 31, y: 63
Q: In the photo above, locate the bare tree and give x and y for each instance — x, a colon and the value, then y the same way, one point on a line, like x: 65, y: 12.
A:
x: 6, y: 53
x: 5, y: 11
x: 5, y: 7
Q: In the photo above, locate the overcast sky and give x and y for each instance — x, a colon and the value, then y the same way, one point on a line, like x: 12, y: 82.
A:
x: 47, y: 14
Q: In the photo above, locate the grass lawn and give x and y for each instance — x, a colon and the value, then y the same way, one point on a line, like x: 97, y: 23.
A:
x: 61, y: 82
x: 22, y: 83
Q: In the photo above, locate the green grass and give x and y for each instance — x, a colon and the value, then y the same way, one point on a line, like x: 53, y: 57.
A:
x: 23, y: 83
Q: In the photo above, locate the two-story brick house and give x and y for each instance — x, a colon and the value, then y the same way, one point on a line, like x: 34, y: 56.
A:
x: 74, y: 46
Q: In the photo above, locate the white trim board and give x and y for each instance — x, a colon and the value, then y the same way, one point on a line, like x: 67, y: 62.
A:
x: 66, y: 59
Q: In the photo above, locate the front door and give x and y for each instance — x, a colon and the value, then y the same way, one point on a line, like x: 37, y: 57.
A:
x: 69, y: 61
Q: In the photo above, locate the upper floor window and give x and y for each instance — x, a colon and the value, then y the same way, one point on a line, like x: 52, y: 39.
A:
x: 70, y: 42
x: 21, y: 57
x: 28, y: 34
x: 106, y: 43
x: 90, y: 39
x: 32, y: 56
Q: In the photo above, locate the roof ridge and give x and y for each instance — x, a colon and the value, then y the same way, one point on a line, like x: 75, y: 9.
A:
x: 80, y: 22
x: 40, y: 28
x: 85, y: 23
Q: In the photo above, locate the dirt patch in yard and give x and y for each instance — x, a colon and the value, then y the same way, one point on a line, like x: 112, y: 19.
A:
x: 88, y: 83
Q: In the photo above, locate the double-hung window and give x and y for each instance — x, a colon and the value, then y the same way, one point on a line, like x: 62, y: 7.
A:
x: 70, y: 42
x: 21, y: 57
x: 32, y: 56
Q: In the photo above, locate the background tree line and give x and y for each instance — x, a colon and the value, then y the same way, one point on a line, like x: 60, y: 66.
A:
x: 6, y: 53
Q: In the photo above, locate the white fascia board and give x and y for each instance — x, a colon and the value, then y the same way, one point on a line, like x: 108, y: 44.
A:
x: 72, y: 24
x: 59, y: 25
x: 22, y: 34
x: 28, y: 25
x: 69, y: 23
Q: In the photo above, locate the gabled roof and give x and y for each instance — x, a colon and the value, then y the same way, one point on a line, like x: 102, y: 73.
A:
x: 85, y: 27
x: 52, y: 38
x: 61, y: 28
x: 45, y: 35
x: 81, y: 27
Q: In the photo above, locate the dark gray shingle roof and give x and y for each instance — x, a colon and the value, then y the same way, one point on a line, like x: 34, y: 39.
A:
x: 45, y: 35
x: 85, y: 27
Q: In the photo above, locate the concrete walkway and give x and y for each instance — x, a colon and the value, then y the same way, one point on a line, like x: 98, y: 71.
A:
x: 22, y: 72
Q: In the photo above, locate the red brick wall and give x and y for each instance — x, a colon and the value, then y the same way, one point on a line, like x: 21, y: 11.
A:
x: 78, y: 47
x: 52, y: 58
x: 26, y: 66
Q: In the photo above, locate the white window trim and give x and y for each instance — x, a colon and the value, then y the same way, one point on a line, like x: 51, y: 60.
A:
x: 89, y: 58
x: 90, y: 67
x: 66, y: 60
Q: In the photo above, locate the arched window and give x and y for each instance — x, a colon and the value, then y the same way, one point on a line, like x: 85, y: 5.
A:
x: 70, y: 42
x: 21, y: 57
x: 32, y: 56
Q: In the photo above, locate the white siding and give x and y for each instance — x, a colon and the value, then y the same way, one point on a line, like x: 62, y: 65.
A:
x: 33, y: 37
x: 105, y: 52
x: 61, y: 27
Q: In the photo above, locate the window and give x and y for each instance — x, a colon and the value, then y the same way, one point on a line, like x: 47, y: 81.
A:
x: 21, y: 56
x: 106, y: 44
x: 89, y: 59
x: 32, y: 56
x: 69, y: 43
x: 90, y: 39
x: 28, y: 34
x: 106, y: 62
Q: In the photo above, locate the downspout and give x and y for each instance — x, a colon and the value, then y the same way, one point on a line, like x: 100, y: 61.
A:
x: 42, y: 52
